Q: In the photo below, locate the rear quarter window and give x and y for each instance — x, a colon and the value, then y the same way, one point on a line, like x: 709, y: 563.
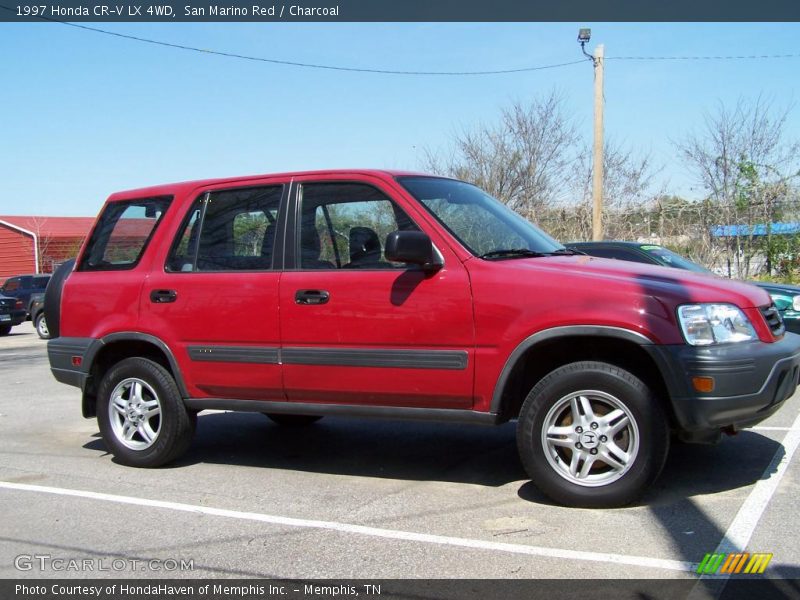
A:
x: 122, y: 233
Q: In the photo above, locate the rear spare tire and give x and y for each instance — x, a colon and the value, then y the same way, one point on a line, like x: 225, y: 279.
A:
x: 52, y: 297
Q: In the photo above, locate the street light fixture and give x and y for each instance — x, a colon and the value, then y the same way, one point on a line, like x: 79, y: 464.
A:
x: 584, y: 35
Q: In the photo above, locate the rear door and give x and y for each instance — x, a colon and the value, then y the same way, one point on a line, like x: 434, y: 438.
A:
x: 216, y: 296
x: 358, y: 329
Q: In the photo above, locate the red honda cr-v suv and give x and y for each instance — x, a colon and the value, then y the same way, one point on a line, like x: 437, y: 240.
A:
x: 401, y: 295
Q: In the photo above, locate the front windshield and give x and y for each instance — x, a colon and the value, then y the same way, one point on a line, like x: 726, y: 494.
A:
x: 481, y: 223
x: 669, y: 259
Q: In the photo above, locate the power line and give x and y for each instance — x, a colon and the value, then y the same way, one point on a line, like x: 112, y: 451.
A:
x: 290, y: 63
x: 303, y: 64
x: 732, y: 57
x: 319, y: 66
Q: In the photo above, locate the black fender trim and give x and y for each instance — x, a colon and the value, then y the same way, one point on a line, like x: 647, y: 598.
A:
x: 557, y: 332
x: 135, y: 336
x: 83, y: 378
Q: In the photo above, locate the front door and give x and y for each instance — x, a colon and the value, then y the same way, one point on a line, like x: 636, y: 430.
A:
x: 358, y: 329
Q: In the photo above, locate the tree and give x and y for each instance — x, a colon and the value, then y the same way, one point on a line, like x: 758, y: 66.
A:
x: 524, y: 160
x: 746, y: 166
x: 627, y: 189
x: 533, y: 160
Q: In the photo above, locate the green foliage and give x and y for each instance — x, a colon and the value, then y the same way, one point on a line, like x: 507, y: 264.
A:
x: 248, y: 233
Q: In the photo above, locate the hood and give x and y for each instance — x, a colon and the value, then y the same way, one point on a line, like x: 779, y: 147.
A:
x: 670, y: 286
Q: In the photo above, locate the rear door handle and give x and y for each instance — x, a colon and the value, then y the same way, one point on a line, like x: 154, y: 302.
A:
x: 311, y: 297
x: 163, y: 296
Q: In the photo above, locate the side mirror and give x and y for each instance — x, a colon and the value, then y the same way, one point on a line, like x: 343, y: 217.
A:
x: 413, y: 247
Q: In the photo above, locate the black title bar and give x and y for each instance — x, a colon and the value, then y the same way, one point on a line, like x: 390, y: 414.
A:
x: 393, y: 589
x: 400, y: 10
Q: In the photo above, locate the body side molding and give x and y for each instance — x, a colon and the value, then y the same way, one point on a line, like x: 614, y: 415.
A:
x: 345, y: 410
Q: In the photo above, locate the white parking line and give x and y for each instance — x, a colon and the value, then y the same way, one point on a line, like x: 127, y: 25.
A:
x: 620, y: 559
x: 746, y: 520
x: 744, y: 524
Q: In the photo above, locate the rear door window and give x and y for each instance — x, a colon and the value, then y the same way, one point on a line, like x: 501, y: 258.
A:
x: 229, y: 230
x: 122, y: 233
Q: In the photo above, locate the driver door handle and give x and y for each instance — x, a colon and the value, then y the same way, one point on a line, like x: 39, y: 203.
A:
x: 311, y: 297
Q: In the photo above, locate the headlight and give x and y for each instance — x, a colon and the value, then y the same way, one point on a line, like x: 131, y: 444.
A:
x: 706, y: 324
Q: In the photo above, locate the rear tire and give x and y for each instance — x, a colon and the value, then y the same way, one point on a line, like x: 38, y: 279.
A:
x: 141, y: 414
x: 591, y: 434
x: 5, y: 329
x: 293, y: 420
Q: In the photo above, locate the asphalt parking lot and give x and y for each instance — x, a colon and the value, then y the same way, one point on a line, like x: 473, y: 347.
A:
x: 363, y: 499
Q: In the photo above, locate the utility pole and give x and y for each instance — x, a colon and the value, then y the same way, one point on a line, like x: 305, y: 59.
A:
x: 584, y: 35
x: 597, y: 168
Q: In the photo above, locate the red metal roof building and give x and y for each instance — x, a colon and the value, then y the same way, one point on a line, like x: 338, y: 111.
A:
x: 38, y: 244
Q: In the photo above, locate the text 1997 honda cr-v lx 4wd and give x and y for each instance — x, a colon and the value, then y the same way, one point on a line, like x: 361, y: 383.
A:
x: 400, y: 295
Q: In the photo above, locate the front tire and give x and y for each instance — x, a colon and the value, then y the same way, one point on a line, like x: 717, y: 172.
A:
x: 41, y: 327
x: 142, y: 417
x: 592, y: 434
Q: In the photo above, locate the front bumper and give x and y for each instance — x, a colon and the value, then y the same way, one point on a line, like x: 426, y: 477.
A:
x: 751, y: 381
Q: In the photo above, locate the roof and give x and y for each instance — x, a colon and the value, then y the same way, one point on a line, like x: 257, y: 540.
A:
x: 758, y: 230
x: 185, y: 186
x: 54, y: 227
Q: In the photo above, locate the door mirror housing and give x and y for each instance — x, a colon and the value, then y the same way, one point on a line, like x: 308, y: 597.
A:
x: 413, y: 247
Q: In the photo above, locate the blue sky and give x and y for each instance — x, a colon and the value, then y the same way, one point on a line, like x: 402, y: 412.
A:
x: 86, y: 114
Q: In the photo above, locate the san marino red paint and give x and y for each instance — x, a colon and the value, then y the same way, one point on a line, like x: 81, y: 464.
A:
x: 466, y: 339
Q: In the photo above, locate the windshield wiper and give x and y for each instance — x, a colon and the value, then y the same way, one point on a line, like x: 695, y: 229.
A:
x: 564, y: 252
x: 527, y: 253
x: 512, y: 253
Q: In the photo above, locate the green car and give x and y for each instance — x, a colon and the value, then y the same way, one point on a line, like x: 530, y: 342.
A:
x: 787, y: 299
x: 785, y: 296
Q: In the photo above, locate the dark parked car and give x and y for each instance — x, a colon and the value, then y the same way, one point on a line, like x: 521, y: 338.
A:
x: 650, y: 254
x: 36, y: 311
x: 23, y: 286
x: 12, y: 312
x: 786, y: 297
